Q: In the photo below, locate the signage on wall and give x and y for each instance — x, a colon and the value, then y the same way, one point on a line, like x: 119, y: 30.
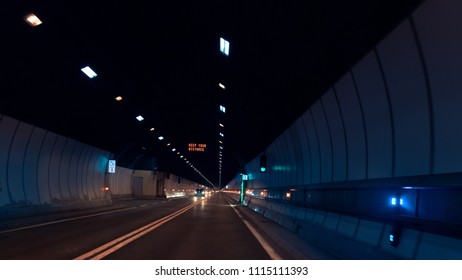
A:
x: 193, y: 147
x: 111, y: 166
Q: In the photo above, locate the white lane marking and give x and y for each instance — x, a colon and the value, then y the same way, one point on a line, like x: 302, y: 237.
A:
x: 65, y: 220
x: 144, y: 205
x: 114, y: 245
x: 266, y: 246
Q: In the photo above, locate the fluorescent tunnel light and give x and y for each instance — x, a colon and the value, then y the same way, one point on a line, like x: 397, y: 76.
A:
x: 224, y: 46
x: 89, y: 72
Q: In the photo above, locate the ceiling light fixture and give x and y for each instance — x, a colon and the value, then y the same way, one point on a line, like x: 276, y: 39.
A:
x: 32, y: 20
x: 224, y: 46
x: 89, y: 72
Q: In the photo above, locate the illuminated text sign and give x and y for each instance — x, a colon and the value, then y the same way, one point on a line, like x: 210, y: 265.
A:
x: 193, y: 147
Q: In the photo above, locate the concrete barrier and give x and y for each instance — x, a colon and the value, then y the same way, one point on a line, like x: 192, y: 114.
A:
x: 348, y: 237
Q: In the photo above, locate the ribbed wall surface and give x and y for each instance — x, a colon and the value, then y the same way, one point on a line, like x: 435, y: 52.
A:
x: 396, y: 113
x: 40, y: 168
x: 389, y: 128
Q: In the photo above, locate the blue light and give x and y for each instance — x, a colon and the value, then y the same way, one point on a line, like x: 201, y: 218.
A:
x: 393, y: 201
x: 262, y: 169
x: 392, y: 238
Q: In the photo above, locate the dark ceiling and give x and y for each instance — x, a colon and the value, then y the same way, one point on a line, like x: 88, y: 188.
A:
x: 163, y: 58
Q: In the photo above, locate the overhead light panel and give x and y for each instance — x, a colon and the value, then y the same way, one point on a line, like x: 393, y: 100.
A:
x: 222, y: 135
x: 152, y: 129
x: 89, y: 72
x: 119, y: 98
x: 222, y: 108
x: 221, y: 125
x: 173, y: 149
x: 224, y: 46
x: 161, y: 138
x: 140, y: 118
x: 32, y: 20
x: 221, y: 85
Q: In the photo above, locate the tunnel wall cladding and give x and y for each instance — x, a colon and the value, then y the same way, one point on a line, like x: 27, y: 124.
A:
x: 394, y: 115
x: 42, y: 172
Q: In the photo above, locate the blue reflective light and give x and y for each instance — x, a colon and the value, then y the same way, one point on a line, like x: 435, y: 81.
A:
x: 262, y: 169
x: 393, y: 201
x: 392, y: 238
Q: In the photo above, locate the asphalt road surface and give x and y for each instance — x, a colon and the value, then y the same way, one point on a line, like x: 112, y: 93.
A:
x: 194, y: 228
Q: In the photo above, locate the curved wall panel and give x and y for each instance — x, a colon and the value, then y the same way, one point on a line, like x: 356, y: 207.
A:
x: 403, y: 73
x: 53, y: 170
x: 337, y: 133
x: 44, y: 166
x: 355, y: 129
x: 40, y: 168
x: 298, y: 162
x: 16, y: 163
x: 74, y: 192
x: 84, y: 174
x: 285, y: 144
x: 31, y: 166
x: 439, y: 33
x: 376, y: 107
x: 304, y: 151
x: 314, y: 147
x: 325, y: 144
x: 64, y: 171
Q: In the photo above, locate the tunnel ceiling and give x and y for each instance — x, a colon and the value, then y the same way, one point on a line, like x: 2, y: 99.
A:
x: 163, y: 58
